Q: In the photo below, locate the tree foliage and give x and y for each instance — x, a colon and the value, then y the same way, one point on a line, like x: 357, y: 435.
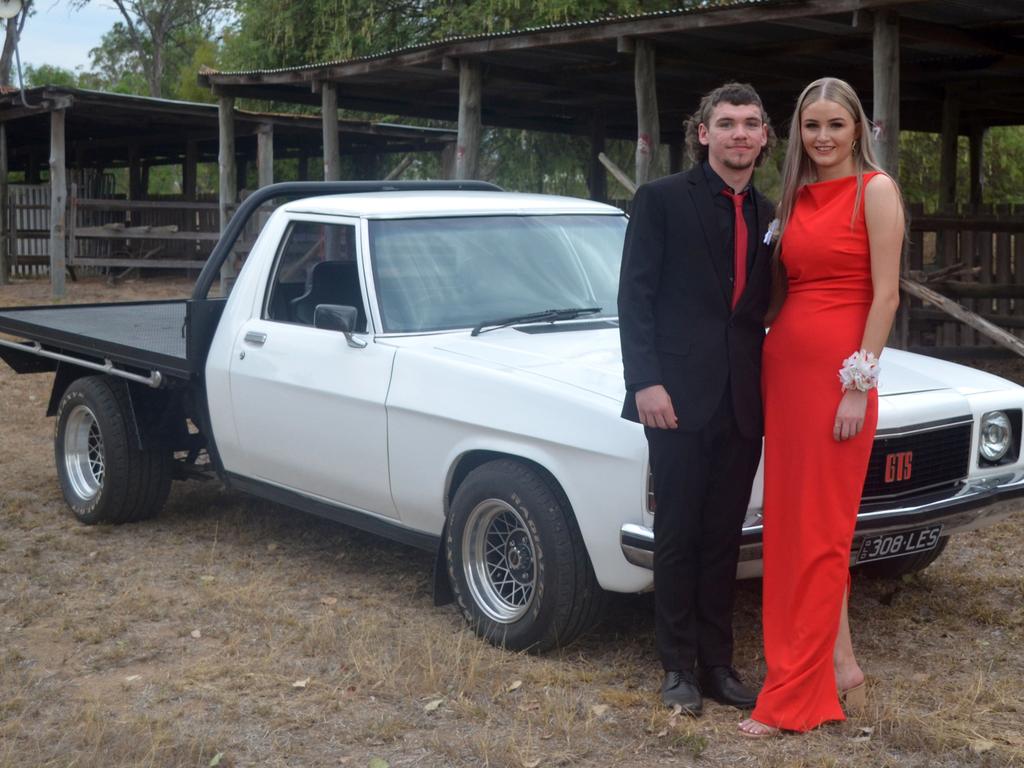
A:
x: 13, y: 28
x: 153, y: 41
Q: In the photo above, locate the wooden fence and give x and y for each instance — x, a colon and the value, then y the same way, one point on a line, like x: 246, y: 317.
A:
x: 975, y: 259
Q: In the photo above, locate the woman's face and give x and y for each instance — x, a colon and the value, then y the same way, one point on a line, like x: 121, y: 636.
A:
x: 828, y: 131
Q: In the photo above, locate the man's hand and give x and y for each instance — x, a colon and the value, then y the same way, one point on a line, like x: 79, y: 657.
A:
x: 850, y: 415
x: 655, y: 407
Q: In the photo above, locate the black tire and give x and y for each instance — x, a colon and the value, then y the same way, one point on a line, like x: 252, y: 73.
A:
x: 901, y: 566
x: 105, y: 478
x: 516, y: 561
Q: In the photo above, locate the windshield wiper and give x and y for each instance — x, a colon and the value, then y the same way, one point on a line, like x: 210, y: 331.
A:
x: 548, y: 315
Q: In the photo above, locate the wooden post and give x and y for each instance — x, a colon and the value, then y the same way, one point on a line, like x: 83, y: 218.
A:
x: 676, y: 151
x: 950, y: 135
x: 648, y: 127
x: 58, y: 203
x: 597, y: 180
x: 886, y: 60
x: 134, y: 174
x: 5, y: 261
x: 448, y: 161
x: 241, y: 171
x: 467, y: 150
x: 265, y: 154
x: 332, y: 149
x: 189, y: 168
x: 977, y: 155
x: 227, y: 177
x: 72, y: 230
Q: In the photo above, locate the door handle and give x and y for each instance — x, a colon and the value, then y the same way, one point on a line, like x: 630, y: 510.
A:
x: 256, y: 337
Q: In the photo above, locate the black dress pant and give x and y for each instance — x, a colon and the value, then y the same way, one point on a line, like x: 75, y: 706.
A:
x: 702, y: 481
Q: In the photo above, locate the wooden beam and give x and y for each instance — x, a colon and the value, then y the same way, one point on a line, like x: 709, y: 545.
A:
x: 886, y: 74
x: 648, y: 123
x: 467, y: 149
x: 977, y: 165
x: 948, y: 156
x: 620, y: 176
x: 189, y: 170
x: 972, y: 319
x: 597, y: 180
x: 227, y: 174
x: 5, y: 260
x: 58, y: 203
x: 398, y: 170
x: 329, y: 116
x: 265, y: 155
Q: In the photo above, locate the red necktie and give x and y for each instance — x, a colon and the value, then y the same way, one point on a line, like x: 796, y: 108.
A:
x: 739, y: 246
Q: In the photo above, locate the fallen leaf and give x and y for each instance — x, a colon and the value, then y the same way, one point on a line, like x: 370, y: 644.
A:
x: 132, y: 678
x: 216, y: 760
x: 329, y: 600
x: 599, y: 709
x: 515, y: 686
x: 530, y: 763
x: 431, y: 706
x: 93, y: 554
x: 207, y: 578
x: 377, y: 762
x: 662, y: 733
x: 981, y: 746
x: 301, y: 683
x: 271, y: 546
x: 196, y: 634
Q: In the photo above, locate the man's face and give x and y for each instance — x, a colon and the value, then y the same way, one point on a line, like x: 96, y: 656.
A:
x: 734, y: 135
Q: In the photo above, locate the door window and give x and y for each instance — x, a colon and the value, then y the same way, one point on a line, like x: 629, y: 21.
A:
x: 316, y: 265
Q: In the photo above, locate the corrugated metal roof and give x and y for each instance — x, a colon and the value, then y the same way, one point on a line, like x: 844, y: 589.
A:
x: 704, y: 6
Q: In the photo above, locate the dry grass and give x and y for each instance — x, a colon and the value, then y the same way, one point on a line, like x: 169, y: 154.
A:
x: 171, y: 642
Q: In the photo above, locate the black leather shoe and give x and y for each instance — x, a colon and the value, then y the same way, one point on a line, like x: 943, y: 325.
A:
x: 680, y: 688
x: 724, y: 686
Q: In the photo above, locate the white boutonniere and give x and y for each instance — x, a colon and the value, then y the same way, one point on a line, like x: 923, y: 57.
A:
x: 772, y: 233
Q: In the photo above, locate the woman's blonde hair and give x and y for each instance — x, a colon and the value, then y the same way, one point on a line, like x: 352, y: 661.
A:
x: 798, y: 169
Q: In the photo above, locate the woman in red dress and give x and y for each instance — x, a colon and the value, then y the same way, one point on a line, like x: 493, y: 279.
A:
x: 842, y: 227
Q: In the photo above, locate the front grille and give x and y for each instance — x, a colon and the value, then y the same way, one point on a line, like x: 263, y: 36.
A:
x: 928, y: 458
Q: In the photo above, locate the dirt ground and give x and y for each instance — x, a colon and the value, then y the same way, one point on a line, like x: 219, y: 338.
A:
x: 233, y: 632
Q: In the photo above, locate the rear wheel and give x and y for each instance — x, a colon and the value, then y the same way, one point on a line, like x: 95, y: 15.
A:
x: 901, y: 566
x: 516, y: 561
x: 104, y: 476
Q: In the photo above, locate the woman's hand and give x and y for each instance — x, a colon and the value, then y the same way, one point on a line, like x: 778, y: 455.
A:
x: 850, y: 415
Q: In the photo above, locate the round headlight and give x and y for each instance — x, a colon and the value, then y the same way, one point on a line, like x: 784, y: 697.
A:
x: 996, y: 436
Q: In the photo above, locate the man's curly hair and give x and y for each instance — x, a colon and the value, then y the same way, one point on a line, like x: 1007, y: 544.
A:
x: 737, y: 94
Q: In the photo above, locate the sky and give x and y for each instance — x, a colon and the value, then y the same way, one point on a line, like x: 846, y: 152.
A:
x: 58, y: 35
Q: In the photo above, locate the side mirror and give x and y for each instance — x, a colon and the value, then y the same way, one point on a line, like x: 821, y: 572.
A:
x: 337, y: 317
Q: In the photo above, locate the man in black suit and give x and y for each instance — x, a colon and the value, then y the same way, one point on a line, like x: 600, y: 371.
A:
x: 693, y: 293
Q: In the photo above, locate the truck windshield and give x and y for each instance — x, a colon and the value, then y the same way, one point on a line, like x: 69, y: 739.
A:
x: 443, y: 273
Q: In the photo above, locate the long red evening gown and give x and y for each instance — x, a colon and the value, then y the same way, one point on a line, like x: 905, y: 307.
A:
x: 812, y: 484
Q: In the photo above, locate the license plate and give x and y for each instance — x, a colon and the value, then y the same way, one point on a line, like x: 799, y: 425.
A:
x: 888, y: 545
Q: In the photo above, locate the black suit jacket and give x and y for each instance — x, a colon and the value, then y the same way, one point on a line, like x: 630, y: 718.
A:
x: 675, y: 320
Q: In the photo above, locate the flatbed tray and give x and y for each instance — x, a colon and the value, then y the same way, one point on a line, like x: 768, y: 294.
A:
x: 147, y: 335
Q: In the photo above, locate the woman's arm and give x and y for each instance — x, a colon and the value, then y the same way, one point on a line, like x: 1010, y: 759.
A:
x: 883, y: 214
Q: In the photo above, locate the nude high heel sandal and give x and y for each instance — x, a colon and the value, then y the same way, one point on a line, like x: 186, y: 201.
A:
x: 855, y: 699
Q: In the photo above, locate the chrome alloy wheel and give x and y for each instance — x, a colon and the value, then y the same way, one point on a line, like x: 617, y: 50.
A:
x: 83, y: 453
x: 498, y: 561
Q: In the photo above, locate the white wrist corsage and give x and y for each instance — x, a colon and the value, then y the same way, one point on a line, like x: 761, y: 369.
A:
x: 773, y: 232
x: 860, y: 371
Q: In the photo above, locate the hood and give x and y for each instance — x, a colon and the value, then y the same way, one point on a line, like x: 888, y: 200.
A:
x: 589, y: 358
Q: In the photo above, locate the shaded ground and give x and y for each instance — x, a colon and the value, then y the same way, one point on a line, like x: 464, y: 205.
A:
x: 235, y: 628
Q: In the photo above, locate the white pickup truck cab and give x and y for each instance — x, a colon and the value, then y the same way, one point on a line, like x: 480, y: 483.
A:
x: 440, y: 364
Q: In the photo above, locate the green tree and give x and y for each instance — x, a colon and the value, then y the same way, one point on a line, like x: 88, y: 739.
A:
x: 153, y: 40
x: 13, y: 28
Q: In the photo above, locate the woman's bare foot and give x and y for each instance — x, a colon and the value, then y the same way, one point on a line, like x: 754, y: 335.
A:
x: 756, y: 730
x: 848, y: 675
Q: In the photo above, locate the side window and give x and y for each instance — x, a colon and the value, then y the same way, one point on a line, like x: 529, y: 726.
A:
x: 315, y: 265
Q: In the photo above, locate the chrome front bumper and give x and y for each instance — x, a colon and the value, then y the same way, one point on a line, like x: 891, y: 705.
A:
x: 978, y: 503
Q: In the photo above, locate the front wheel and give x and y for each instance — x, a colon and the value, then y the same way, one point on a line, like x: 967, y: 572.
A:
x: 104, y: 476
x: 516, y: 561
